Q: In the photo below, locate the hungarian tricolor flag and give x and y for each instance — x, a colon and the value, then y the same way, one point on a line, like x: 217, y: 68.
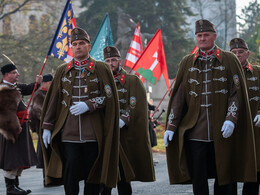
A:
x: 135, y: 49
x: 152, y: 63
x: 60, y: 47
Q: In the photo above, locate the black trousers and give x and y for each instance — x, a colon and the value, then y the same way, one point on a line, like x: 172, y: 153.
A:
x: 201, y: 158
x: 123, y: 187
x: 252, y: 188
x: 78, y: 161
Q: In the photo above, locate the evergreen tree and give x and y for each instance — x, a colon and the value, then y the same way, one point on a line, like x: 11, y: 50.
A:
x: 151, y: 14
x: 250, y: 28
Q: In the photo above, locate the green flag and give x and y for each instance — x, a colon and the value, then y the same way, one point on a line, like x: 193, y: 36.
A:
x: 103, y: 38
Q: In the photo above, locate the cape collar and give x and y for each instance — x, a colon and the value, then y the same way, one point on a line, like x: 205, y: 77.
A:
x: 86, y: 64
x: 120, y: 76
x: 247, y: 66
x: 214, y: 51
x: 80, y: 63
x: 208, y: 53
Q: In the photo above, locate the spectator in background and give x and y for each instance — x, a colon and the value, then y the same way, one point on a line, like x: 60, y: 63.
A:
x: 35, y: 114
x: 135, y: 156
x: 239, y: 47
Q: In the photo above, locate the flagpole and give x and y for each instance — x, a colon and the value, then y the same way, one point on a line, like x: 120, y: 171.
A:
x: 156, y: 109
x: 34, y: 89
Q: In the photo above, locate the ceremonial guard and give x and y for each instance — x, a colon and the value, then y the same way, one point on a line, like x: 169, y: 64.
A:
x: 209, y: 131
x: 239, y: 47
x: 136, y: 162
x: 80, y: 122
x: 35, y: 114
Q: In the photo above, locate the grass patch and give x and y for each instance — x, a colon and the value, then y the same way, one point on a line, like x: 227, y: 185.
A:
x: 159, y: 134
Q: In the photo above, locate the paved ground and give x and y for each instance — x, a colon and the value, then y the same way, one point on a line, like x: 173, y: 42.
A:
x: 32, y: 179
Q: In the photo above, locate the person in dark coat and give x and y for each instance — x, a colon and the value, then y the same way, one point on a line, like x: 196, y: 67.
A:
x: 15, y: 157
x: 35, y: 114
x: 209, y: 119
x: 135, y: 154
x: 239, y: 47
x: 79, y: 120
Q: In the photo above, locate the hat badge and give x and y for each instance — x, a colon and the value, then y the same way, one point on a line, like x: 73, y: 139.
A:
x: 201, y: 22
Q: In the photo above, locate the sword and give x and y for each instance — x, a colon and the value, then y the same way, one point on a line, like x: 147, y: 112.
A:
x: 8, y: 58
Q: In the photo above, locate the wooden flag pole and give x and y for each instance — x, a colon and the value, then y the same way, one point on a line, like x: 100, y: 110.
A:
x: 34, y: 89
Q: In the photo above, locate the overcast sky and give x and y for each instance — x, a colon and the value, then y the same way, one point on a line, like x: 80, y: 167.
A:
x: 241, y: 4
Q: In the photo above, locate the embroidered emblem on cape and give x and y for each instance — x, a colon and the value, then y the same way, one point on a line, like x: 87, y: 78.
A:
x: 97, y: 101
x: 108, y: 90
x: 232, y: 110
x: 236, y: 79
x: 132, y: 101
x: 171, y: 117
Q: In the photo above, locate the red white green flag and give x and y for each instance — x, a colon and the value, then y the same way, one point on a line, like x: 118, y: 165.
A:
x: 152, y: 63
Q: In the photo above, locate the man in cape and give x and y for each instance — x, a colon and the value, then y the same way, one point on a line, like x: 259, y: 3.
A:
x: 209, y: 131
x: 136, y: 162
x: 239, y: 47
x: 80, y: 122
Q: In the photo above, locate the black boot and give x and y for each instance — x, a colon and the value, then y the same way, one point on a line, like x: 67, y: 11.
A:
x: 11, y: 189
x: 17, y: 186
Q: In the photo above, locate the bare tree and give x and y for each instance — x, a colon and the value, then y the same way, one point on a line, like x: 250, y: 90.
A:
x: 15, y: 6
x: 222, y: 14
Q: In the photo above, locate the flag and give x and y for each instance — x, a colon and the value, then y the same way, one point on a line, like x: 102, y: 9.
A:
x: 152, y: 63
x: 103, y: 38
x: 60, y: 47
x: 135, y: 49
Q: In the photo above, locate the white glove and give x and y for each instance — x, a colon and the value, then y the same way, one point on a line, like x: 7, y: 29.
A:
x: 227, y: 128
x: 257, y: 120
x: 121, y: 123
x: 168, y: 134
x: 79, y: 108
x: 46, y: 137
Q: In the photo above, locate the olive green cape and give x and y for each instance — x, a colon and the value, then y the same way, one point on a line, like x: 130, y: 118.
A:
x: 135, y: 147
x: 105, y: 124
x: 235, y: 156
